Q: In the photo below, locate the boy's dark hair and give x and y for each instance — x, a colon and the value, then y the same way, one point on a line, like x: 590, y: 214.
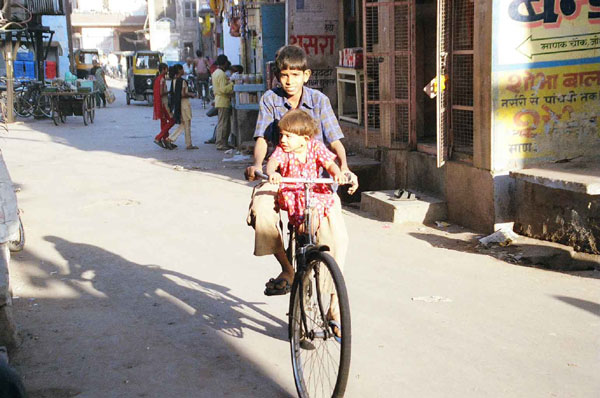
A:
x: 237, y: 68
x: 162, y: 66
x: 298, y: 122
x: 221, y: 60
x: 198, y: 53
x: 291, y: 57
x: 173, y: 70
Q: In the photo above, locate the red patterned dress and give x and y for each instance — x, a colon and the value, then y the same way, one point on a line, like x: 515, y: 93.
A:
x: 291, y: 196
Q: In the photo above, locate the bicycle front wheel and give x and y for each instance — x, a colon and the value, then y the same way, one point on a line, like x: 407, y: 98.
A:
x: 319, y: 327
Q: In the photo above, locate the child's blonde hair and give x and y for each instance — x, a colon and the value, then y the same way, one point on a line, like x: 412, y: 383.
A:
x: 298, y: 122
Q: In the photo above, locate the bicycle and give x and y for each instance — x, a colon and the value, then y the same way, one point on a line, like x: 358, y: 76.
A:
x: 320, y: 356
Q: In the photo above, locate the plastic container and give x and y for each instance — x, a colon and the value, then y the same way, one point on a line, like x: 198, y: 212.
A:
x: 19, y: 69
x: 50, y: 68
x: 29, y: 69
x: 24, y: 56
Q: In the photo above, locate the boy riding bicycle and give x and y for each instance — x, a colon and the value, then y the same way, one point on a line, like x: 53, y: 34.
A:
x: 293, y: 72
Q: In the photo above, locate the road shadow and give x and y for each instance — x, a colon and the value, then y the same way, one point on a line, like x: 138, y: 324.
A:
x: 537, y: 256
x: 141, y: 305
x: 589, y: 306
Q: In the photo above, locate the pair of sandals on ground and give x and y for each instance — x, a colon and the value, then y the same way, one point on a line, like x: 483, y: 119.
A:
x: 167, y: 144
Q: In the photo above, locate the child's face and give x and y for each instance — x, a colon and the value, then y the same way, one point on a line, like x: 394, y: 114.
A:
x: 293, y: 80
x: 291, y: 142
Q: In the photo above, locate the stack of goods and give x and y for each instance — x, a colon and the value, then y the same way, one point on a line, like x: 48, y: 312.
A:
x: 351, y: 57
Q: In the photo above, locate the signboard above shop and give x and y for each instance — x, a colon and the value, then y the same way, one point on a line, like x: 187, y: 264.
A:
x: 546, y: 79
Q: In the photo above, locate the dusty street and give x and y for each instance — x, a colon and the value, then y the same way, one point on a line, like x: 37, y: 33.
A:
x: 137, y: 280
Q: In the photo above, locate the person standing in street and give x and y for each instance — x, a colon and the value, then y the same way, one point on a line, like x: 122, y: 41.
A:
x: 223, y: 92
x: 99, y: 83
x: 202, y: 72
x: 161, y: 106
x: 182, y: 110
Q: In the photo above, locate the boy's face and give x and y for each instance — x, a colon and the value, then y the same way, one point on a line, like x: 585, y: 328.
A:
x: 291, y: 142
x: 293, y: 80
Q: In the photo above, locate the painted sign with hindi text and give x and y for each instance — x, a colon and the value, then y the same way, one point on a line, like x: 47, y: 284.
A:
x: 546, y: 80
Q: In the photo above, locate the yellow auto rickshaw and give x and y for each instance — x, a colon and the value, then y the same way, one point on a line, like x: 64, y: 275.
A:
x: 142, y: 69
x: 84, y: 62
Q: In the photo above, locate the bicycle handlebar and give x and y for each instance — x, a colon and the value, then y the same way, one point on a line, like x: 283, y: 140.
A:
x: 291, y: 180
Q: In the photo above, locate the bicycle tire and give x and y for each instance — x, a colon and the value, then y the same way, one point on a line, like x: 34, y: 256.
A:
x: 56, y: 116
x: 22, y: 106
x: 84, y: 111
x: 18, y: 244
x: 43, y: 105
x: 309, y: 384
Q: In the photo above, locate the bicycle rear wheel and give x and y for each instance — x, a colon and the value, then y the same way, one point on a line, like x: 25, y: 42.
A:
x: 321, y: 362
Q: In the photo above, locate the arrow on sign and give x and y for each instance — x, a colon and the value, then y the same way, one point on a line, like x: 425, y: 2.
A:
x: 532, y: 47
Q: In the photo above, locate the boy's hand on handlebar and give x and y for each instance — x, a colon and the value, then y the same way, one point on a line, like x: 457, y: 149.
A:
x: 352, y: 179
x: 249, y: 173
x: 275, y: 178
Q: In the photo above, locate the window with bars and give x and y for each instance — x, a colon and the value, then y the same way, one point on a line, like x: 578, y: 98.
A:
x: 190, y: 9
x: 396, y: 70
x: 461, y: 75
x: 388, y: 47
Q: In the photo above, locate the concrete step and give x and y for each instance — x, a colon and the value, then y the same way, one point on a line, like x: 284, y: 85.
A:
x: 384, y: 206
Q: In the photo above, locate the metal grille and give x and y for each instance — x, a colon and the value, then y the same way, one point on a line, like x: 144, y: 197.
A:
x: 388, y: 28
x: 401, y: 27
x: 462, y: 83
x: 462, y: 75
x: 372, y: 28
x: 401, y: 129
x: 462, y: 121
x: 372, y: 83
x: 462, y: 25
x: 401, y: 74
x: 373, y: 116
x: 442, y: 99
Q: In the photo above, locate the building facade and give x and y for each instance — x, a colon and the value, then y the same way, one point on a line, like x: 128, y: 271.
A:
x: 110, y: 25
x: 460, y: 95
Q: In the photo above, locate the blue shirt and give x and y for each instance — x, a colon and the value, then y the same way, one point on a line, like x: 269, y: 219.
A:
x: 274, y: 104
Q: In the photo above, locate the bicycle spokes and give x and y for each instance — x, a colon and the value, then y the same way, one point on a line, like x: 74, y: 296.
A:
x: 320, y: 366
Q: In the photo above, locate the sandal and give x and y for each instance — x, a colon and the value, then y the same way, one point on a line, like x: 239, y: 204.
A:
x: 336, y: 329
x: 274, y: 287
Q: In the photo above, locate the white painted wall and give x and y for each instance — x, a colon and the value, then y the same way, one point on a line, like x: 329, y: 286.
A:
x: 129, y: 7
x: 100, y: 38
x: 58, y: 24
x: 232, y: 46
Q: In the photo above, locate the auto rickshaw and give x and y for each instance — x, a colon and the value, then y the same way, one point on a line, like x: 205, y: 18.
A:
x: 142, y: 69
x: 84, y: 62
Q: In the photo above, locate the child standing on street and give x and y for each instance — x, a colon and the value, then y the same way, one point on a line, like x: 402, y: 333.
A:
x: 161, y: 106
x: 182, y: 110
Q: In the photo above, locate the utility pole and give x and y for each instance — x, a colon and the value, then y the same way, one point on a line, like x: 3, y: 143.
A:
x: 8, y: 57
x: 68, y: 11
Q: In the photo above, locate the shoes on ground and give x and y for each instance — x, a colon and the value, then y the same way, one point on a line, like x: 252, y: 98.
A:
x: 160, y: 143
x: 169, y: 144
x: 191, y: 147
x: 211, y: 141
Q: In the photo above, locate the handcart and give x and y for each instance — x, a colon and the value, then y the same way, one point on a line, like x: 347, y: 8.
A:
x: 72, y: 103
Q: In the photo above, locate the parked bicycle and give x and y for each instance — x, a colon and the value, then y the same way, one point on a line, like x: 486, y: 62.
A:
x: 30, y: 100
x: 320, y: 345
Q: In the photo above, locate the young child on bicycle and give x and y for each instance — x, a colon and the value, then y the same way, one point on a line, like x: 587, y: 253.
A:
x: 298, y: 155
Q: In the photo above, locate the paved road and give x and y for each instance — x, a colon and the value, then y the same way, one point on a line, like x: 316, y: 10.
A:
x: 137, y: 281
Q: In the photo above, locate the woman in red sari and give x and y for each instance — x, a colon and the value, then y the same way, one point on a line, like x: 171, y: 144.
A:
x: 161, y: 107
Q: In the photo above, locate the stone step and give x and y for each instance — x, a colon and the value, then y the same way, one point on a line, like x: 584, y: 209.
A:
x: 420, y: 208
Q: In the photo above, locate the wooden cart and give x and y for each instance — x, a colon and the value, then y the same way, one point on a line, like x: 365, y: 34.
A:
x: 72, y: 103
